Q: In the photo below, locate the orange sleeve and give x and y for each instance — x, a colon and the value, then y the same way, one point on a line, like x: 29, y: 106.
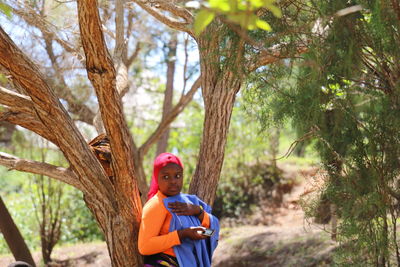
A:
x: 206, y: 220
x: 150, y: 241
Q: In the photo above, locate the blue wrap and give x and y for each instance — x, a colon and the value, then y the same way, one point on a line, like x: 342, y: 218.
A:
x: 196, y: 253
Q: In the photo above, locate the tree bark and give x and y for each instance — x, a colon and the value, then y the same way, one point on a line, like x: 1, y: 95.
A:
x: 221, y: 81
x: 13, y: 237
x: 162, y: 143
x: 212, y: 148
x: 120, y: 224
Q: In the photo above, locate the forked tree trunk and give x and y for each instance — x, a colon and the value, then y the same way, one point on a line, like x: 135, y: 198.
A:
x: 119, y: 222
x: 13, y: 237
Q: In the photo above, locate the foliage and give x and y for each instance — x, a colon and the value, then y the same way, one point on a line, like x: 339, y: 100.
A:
x: 23, y: 192
x: 248, y: 186
x: 6, y: 9
x: 78, y: 224
x: 344, y: 94
x: 241, y: 12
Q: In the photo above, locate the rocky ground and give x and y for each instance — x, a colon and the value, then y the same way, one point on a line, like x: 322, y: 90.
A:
x: 282, y: 238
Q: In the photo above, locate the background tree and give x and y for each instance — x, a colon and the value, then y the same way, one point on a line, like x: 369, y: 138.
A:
x: 13, y: 237
x: 47, y: 200
x: 344, y: 93
x: 116, y: 204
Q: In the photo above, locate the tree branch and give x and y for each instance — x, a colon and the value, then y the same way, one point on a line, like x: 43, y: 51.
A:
x: 29, y: 122
x: 59, y: 173
x: 134, y: 55
x: 272, y: 55
x: 172, y: 8
x: 16, y: 101
x: 175, y: 111
x: 101, y: 73
x: 170, y: 22
x: 120, y: 45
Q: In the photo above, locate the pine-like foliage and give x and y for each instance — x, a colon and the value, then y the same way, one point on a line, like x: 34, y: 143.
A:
x: 345, y: 94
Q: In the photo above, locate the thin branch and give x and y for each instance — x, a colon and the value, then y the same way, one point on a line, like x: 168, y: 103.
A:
x: 185, y: 64
x: 83, y: 112
x: 134, y: 55
x: 59, y: 173
x: 170, y: 22
x: 175, y: 111
x: 34, y: 19
x: 172, y: 8
x: 49, y: 32
x: 292, y: 146
x: 272, y: 55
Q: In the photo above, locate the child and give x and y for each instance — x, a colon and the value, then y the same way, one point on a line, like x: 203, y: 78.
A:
x: 172, y: 226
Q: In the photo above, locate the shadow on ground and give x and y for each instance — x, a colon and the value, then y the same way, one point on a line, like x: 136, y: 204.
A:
x: 271, y: 249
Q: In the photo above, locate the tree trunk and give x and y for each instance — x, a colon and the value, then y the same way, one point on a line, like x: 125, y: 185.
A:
x: 274, y: 150
x: 6, y: 132
x: 162, y: 144
x: 120, y: 231
x: 219, y: 87
x: 13, y: 237
x: 212, y: 148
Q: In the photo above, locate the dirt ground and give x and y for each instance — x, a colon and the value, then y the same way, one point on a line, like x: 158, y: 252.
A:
x: 287, y: 239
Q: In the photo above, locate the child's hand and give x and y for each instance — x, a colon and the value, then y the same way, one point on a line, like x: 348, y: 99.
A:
x: 181, y: 208
x: 192, y: 233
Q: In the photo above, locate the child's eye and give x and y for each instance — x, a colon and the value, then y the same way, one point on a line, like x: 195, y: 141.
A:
x: 166, y: 177
x: 178, y: 176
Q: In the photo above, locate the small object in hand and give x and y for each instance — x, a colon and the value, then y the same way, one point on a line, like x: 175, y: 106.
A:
x: 206, y: 231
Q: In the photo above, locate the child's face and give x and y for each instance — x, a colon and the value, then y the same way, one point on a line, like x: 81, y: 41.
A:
x: 170, y: 179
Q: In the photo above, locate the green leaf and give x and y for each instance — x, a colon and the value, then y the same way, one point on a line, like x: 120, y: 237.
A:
x: 233, y: 5
x: 203, y: 18
x: 257, y: 3
x: 3, y: 79
x: 222, y: 5
x: 261, y: 24
x: 6, y: 9
x: 274, y: 9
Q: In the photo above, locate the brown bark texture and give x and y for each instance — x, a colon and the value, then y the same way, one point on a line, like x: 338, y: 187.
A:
x: 215, y: 130
x: 13, y: 237
x: 116, y: 206
x: 120, y: 224
x: 219, y: 86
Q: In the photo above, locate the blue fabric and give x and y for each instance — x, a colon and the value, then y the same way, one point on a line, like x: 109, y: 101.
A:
x: 196, y: 253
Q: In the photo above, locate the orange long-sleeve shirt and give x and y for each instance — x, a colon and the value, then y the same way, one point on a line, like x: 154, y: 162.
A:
x: 154, y: 235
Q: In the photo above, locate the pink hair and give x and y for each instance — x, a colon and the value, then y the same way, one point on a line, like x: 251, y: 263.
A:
x: 162, y: 160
